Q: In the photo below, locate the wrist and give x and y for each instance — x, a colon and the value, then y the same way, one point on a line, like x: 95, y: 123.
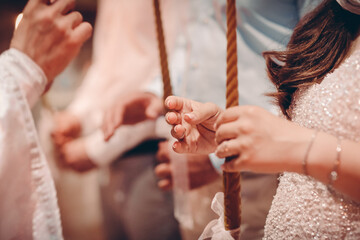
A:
x: 322, y: 157
x: 27, y: 73
x: 296, y: 150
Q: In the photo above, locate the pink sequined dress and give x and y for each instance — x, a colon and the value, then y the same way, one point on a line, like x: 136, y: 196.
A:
x: 304, y: 208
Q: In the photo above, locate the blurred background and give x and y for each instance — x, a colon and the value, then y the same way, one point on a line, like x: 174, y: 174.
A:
x: 10, y: 9
x: 78, y: 194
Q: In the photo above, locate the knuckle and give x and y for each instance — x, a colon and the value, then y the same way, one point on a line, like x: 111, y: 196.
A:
x: 244, y: 159
x: 61, y: 28
x: 193, y: 141
x: 45, y: 21
x: 246, y: 127
x: 46, y: 15
x: 78, y: 16
x: 249, y: 110
x: 238, y: 129
x: 73, y: 43
x: 32, y: 9
x: 244, y: 145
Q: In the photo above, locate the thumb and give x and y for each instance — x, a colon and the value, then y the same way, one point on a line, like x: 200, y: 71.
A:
x: 112, y: 120
x: 203, y: 112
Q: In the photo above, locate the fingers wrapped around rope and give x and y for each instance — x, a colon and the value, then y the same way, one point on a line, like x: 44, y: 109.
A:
x: 230, y: 149
x: 226, y: 132
x: 240, y: 150
x: 232, y: 137
x: 229, y: 115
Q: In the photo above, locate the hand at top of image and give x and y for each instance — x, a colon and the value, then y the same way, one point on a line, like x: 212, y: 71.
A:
x: 51, y: 35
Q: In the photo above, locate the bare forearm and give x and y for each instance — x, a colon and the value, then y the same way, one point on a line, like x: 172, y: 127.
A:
x: 244, y: 132
x: 323, y: 157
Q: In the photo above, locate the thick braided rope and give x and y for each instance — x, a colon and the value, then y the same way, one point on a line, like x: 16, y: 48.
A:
x: 162, y: 51
x: 231, y: 181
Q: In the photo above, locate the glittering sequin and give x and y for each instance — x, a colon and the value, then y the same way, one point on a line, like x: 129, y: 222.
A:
x: 304, y: 208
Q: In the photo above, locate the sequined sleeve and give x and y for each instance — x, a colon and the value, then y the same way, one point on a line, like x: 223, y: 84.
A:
x: 304, y: 208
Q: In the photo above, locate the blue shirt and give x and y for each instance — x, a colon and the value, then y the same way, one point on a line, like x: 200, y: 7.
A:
x: 198, y: 61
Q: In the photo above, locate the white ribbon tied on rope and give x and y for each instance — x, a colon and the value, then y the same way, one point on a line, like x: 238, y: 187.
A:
x: 215, y: 230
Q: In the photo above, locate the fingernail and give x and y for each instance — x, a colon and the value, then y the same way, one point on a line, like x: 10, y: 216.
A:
x: 190, y: 116
x: 167, y: 102
x: 176, y: 128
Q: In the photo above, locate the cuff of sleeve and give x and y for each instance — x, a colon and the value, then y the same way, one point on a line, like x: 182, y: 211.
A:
x: 216, y: 162
x: 27, y: 73
x: 125, y: 138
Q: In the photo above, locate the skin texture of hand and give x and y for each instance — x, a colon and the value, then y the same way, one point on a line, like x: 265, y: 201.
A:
x: 73, y: 155
x: 131, y: 109
x: 260, y: 141
x: 193, y: 125
x: 51, y: 35
x: 67, y: 127
x: 201, y: 171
